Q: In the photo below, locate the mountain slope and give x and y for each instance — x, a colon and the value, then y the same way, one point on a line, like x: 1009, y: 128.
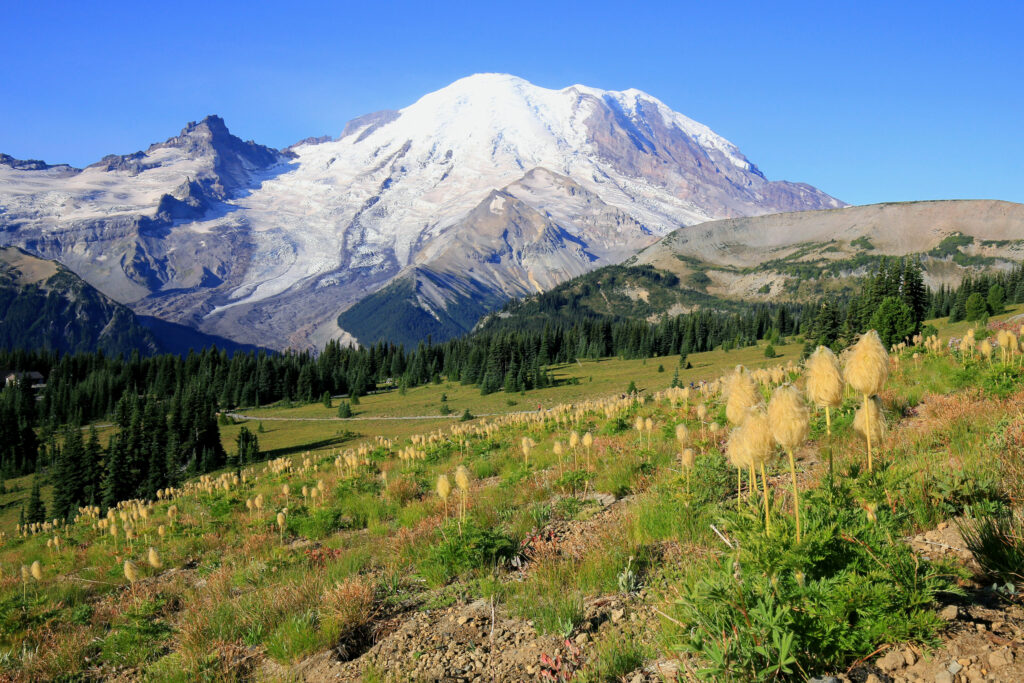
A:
x: 783, y: 257
x: 796, y: 254
x: 44, y: 305
x: 492, y: 185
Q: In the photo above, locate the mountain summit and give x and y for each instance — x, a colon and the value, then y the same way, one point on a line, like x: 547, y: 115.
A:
x: 487, y: 189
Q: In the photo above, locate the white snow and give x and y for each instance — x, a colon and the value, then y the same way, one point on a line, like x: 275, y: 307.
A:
x: 386, y: 193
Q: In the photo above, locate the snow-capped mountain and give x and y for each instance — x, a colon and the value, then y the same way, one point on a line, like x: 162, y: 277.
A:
x: 486, y: 189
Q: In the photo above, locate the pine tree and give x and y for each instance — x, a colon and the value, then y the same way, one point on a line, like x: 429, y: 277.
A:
x: 116, y: 486
x: 248, y: 447
x: 976, y: 307
x: 996, y: 299
x: 36, y: 512
x: 67, y: 475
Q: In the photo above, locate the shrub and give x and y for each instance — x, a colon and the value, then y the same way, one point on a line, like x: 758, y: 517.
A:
x: 315, y: 523
x: 616, y: 425
x: 401, y: 490
x: 776, y: 610
x: 475, y: 548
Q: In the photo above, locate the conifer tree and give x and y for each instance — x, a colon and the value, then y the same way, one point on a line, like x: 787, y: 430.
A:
x: 36, y: 512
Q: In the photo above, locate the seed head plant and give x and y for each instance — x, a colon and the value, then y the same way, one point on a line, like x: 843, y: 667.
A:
x: 736, y: 451
x: 867, y: 369
x: 281, y: 521
x: 444, y: 489
x: 869, y: 421
x: 743, y: 395
x: 682, y: 434
x: 154, y: 559
x: 824, y: 382
x: 702, y: 415
x: 462, y: 482
x: 760, y: 444
x: 687, y: 458
x: 790, y: 424
x: 985, y: 349
x: 527, y: 445
x: 37, y: 570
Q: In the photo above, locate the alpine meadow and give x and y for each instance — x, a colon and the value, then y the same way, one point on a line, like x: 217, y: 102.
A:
x: 508, y: 380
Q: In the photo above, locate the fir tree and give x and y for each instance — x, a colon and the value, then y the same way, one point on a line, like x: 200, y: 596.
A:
x: 36, y: 512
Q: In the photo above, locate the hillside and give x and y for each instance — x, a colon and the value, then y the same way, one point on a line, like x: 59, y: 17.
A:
x: 614, y: 556
x: 790, y: 257
x: 612, y: 292
x: 488, y: 189
x: 43, y: 305
x: 794, y: 255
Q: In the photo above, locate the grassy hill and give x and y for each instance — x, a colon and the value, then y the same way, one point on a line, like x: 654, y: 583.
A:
x: 795, y: 257
x: 599, y: 563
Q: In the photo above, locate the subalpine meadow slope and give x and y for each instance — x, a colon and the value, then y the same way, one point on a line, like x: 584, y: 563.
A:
x: 606, y: 536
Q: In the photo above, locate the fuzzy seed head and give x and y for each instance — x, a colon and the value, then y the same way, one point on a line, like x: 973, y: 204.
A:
x: 154, y: 558
x: 985, y: 348
x: 687, y: 458
x: 558, y: 449
x: 281, y: 520
x: 824, y: 378
x: 877, y: 420
x: 757, y: 436
x: 444, y: 488
x: 131, y: 572
x: 161, y: 530
x: 743, y: 395
x: 867, y: 366
x: 788, y: 416
x: 639, y: 424
x: 574, y: 440
x: 588, y: 440
x: 702, y: 412
x: 25, y: 573
x: 36, y: 570
x: 462, y: 478
x: 736, y: 450
x: 682, y: 434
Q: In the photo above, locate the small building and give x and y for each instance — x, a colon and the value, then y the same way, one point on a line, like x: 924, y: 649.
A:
x: 34, y: 379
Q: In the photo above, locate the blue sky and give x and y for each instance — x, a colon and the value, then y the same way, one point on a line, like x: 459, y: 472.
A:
x: 868, y: 101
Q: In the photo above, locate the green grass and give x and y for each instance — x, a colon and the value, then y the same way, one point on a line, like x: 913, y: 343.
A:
x: 241, y: 585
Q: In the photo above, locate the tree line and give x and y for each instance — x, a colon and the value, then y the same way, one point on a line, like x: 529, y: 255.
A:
x: 165, y: 407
